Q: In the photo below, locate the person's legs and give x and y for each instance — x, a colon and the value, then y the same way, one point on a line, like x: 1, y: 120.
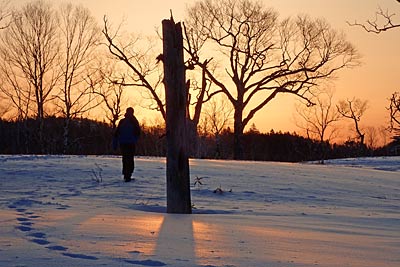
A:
x: 128, y: 165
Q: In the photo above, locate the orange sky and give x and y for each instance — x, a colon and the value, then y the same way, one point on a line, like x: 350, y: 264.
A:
x: 375, y: 80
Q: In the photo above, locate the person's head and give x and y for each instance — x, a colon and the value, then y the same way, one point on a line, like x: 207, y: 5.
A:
x: 129, y: 112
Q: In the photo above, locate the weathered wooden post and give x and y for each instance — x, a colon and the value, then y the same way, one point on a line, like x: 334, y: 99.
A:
x: 176, y: 92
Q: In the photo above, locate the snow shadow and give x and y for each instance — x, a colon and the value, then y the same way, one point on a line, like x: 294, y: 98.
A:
x: 180, y: 228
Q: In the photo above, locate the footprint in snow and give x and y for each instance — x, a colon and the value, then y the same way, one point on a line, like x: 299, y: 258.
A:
x: 40, y: 241
x: 24, y: 228
x: 146, y: 262
x: 80, y: 256
x: 20, y: 210
x: 57, y: 248
x: 38, y: 235
x: 22, y: 219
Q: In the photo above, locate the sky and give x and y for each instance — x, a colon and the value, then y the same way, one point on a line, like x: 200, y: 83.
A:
x: 375, y: 80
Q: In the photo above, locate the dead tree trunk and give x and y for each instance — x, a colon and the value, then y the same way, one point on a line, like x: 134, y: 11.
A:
x: 176, y: 92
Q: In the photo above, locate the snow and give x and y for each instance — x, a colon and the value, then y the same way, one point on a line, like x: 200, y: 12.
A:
x: 77, y: 211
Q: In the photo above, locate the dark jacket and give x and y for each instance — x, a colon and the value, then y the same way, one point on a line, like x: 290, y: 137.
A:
x: 128, y: 131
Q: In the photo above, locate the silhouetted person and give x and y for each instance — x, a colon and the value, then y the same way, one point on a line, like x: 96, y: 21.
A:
x: 127, y: 135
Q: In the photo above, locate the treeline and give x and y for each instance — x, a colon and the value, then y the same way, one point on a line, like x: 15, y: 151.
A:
x: 88, y: 137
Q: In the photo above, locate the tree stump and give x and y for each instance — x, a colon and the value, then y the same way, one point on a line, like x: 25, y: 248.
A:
x: 176, y: 92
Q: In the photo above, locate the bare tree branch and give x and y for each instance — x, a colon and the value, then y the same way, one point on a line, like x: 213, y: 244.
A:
x: 110, y: 92
x: 394, y: 109
x: 5, y: 14
x: 138, y: 63
x: 354, y: 109
x: 383, y: 21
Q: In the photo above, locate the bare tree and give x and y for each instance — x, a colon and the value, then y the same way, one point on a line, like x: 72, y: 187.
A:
x: 31, y: 44
x: 264, y: 57
x: 383, y: 133
x: 318, y: 120
x: 80, y: 37
x: 384, y: 20
x: 371, y: 137
x: 394, y: 109
x: 29, y: 48
x: 217, y: 116
x: 354, y: 109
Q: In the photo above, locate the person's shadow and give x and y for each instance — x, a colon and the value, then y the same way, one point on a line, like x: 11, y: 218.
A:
x: 176, y: 240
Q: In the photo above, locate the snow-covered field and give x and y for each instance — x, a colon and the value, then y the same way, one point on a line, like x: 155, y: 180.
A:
x: 77, y: 211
